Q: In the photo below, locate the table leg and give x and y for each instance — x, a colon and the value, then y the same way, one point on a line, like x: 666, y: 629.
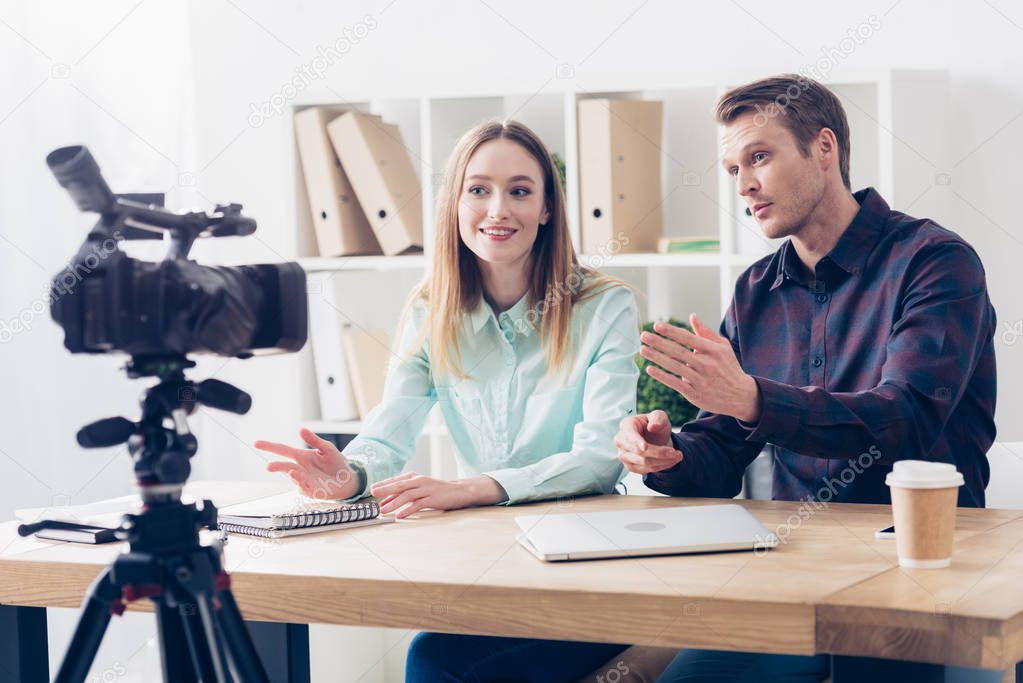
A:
x: 23, y: 648
x: 283, y: 649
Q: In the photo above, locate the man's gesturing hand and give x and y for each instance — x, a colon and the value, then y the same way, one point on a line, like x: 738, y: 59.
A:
x: 644, y: 443
x: 703, y: 368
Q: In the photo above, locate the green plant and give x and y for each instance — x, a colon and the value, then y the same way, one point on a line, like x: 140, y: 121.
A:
x: 652, y: 395
x: 560, y: 164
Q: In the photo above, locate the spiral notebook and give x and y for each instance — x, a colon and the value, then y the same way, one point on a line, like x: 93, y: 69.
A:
x: 290, y: 514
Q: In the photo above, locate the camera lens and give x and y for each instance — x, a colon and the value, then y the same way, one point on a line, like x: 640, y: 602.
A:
x: 78, y: 173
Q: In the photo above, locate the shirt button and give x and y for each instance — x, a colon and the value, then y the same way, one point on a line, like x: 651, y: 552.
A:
x: 817, y: 362
x: 822, y: 298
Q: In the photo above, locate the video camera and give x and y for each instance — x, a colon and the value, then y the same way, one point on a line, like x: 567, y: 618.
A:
x: 107, y: 301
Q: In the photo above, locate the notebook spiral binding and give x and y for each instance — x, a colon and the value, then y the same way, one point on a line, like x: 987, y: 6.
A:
x: 355, y: 512
x: 249, y: 530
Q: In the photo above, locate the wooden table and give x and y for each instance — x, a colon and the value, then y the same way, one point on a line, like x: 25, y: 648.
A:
x: 831, y: 587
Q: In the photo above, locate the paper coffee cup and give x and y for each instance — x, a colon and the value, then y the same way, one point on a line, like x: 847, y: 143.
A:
x: 924, y: 496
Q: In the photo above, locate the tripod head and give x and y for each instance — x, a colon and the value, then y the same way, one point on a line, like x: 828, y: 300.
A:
x: 160, y: 442
x: 161, y: 452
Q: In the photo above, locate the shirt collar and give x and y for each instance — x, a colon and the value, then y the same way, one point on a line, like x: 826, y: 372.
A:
x: 785, y: 265
x: 859, y: 238
x: 516, y: 316
x: 852, y: 248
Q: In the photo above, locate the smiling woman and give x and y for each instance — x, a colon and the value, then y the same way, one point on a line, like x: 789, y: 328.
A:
x: 529, y: 355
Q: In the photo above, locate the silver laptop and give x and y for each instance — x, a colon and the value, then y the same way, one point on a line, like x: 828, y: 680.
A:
x: 653, y: 531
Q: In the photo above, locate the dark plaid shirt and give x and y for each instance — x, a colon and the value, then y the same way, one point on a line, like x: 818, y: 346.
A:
x: 884, y: 353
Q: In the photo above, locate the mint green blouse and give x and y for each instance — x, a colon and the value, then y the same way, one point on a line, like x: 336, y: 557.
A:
x: 539, y: 437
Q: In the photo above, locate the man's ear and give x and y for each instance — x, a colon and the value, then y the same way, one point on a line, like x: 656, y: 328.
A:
x: 826, y: 147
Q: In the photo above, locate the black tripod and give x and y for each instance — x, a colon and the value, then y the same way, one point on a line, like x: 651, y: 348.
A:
x: 201, y: 632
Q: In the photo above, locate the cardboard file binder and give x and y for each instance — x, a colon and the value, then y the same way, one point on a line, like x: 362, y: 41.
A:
x: 340, y: 223
x: 383, y: 177
x: 620, y: 175
x: 326, y: 328
x: 367, y: 355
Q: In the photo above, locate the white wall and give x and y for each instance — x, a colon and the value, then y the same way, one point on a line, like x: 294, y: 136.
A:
x: 162, y: 93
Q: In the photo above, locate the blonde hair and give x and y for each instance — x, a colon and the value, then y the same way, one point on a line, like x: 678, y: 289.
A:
x: 455, y: 285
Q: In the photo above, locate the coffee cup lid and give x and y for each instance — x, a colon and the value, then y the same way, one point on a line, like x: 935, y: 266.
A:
x: 924, y: 474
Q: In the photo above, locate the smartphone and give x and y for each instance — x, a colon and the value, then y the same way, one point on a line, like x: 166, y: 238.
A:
x: 888, y: 532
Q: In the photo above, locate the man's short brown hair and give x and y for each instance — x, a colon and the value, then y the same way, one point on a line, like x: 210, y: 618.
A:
x: 801, y: 104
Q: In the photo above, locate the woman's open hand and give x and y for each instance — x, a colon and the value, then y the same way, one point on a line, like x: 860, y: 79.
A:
x: 320, y: 472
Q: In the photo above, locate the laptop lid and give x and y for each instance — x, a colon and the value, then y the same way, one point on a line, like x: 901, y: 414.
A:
x: 653, y: 531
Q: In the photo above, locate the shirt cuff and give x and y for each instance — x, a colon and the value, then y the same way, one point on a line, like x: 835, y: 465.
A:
x: 516, y: 482
x: 781, y: 412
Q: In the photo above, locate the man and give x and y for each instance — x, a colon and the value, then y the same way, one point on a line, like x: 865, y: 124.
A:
x: 866, y: 338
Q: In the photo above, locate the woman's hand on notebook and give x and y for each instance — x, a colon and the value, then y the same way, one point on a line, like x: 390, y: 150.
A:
x: 320, y: 472
x: 644, y: 443
x: 409, y: 493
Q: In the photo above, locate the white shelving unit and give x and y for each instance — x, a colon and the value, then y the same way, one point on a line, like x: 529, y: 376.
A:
x: 317, y: 264
x: 892, y: 114
x: 353, y: 427
x: 418, y: 262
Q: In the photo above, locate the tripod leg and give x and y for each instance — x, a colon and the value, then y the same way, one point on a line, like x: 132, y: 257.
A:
x: 239, y: 644
x: 176, y: 656
x: 222, y: 649
x: 92, y: 624
x: 202, y: 632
